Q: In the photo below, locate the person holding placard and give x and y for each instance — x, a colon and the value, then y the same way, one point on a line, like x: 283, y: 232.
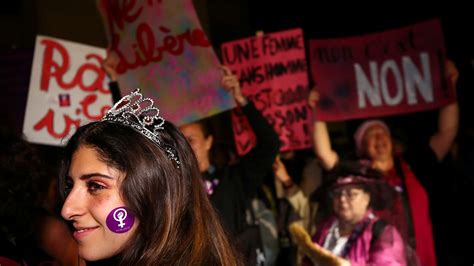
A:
x: 231, y: 188
x: 410, y: 213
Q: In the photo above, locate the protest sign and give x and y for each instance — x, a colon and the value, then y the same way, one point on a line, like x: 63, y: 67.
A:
x: 391, y: 72
x: 67, y: 89
x: 272, y: 71
x: 163, y: 50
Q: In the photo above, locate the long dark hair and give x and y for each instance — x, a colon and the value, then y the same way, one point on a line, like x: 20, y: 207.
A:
x: 178, y: 225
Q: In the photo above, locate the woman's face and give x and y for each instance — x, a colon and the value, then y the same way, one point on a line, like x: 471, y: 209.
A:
x: 350, y: 203
x: 94, y: 193
x: 200, y: 144
x: 377, y: 143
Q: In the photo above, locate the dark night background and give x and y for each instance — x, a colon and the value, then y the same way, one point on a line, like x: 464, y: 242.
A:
x: 223, y: 20
x: 226, y: 20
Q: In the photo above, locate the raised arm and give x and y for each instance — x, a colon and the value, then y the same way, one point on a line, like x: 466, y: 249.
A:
x: 109, y: 64
x: 321, y: 141
x: 298, y: 200
x: 448, y: 120
x: 230, y: 82
x: 258, y: 162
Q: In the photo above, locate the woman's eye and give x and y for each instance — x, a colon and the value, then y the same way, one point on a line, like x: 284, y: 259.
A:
x: 353, y: 194
x: 93, y: 186
x: 68, y: 186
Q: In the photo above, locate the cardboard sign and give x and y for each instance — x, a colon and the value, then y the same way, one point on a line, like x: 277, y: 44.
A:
x: 163, y: 50
x: 272, y: 71
x: 392, y: 72
x: 67, y: 89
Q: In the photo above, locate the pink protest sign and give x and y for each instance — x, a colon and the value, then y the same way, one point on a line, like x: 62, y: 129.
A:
x: 67, y: 89
x: 163, y: 50
x: 272, y: 71
x: 392, y: 72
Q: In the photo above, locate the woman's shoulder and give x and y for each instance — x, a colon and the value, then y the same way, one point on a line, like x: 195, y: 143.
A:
x: 383, y: 231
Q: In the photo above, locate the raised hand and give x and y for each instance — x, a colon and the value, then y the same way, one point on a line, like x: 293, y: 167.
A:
x: 281, y: 174
x: 109, y: 64
x: 313, y: 97
x: 451, y: 73
x: 230, y: 82
x: 315, y: 252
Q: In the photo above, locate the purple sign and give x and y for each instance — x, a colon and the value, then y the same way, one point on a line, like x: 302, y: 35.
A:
x: 120, y: 220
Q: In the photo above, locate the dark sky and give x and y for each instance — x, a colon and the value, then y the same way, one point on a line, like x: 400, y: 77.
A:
x: 232, y: 19
x: 227, y: 20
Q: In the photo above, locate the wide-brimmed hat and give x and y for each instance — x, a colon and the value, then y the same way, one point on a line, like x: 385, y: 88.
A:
x: 362, y: 129
x: 357, y: 173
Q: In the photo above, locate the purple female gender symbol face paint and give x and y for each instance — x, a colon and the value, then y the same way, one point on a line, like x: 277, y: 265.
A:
x: 120, y: 220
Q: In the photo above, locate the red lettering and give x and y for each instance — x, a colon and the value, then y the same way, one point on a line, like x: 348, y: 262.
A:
x: 118, y: 13
x: 52, y: 69
x: 146, y: 42
x: 244, y: 136
x: 173, y: 46
x: 198, y: 38
x: 48, y: 122
x: 86, y: 102
x: 97, y: 84
x: 146, y: 51
x: 150, y: 2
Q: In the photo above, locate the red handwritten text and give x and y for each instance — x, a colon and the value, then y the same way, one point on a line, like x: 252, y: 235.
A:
x: 145, y: 49
x: 52, y: 69
x: 48, y: 122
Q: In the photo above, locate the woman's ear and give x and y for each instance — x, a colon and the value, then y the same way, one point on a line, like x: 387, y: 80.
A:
x: 369, y: 198
x: 209, y: 142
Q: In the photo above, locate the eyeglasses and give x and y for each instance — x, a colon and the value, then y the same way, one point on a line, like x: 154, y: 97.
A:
x: 348, y: 193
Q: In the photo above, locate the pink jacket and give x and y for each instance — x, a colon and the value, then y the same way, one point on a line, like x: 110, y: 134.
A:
x: 387, y: 250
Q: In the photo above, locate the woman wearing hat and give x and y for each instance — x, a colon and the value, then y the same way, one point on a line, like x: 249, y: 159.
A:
x: 410, y: 212
x: 353, y: 234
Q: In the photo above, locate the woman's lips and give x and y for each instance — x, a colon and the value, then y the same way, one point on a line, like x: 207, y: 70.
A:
x: 83, y: 231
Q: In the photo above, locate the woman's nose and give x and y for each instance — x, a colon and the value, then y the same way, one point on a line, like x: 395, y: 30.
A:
x: 73, y: 205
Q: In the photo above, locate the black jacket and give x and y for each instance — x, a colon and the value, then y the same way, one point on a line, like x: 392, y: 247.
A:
x: 239, y: 183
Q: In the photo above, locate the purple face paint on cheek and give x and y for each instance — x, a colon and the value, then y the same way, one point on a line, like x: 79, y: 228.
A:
x: 120, y: 220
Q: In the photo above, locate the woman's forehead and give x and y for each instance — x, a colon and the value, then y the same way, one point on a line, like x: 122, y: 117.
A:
x: 375, y: 129
x: 348, y: 187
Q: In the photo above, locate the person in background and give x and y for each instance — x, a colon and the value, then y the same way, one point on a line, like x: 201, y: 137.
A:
x: 108, y: 65
x: 133, y: 192
x: 354, y: 235
x: 410, y: 213
x: 231, y: 188
x: 299, y: 196
x: 30, y: 231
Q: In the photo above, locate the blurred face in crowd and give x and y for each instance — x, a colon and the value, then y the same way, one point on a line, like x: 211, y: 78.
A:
x: 94, y: 191
x: 350, y: 203
x: 377, y: 143
x: 200, y: 144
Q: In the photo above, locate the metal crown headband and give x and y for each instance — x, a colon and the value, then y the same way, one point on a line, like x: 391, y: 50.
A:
x: 139, y: 113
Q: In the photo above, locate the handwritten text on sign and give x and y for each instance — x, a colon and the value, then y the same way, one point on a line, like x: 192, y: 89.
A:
x: 67, y: 89
x: 273, y: 75
x: 396, y: 71
x: 163, y: 50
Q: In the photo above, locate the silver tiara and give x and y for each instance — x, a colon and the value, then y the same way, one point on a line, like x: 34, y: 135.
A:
x: 139, y: 113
